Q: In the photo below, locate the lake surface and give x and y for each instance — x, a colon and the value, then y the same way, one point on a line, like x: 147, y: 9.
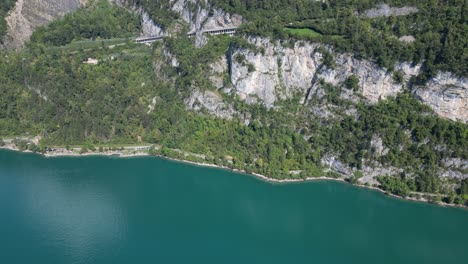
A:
x: 149, y: 210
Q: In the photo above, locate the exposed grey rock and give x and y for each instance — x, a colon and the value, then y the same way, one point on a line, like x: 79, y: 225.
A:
x: 447, y: 95
x: 205, y: 17
x: 375, y: 82
x: 370, y: 173
x: 148, y: 26
x: 219, y: 69
x: 199, y: 14
x: 453, y: 174
x: 27, y: 15
x: 210, y: 101
x: 384, y: 10
x: 281, y: 72
x: 278, y: 71
x: 377, y: 144
x: 152, y: 105
x: 407, y: 39
x: 336, y: 165
x: 456, y: 163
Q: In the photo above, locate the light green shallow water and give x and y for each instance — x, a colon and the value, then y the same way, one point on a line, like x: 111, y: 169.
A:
x: 148, y: 210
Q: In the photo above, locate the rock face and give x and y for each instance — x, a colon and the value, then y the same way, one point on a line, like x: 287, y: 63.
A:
x: 384, y: 10
x: 199, y: 14
x: 375, y: 83
x: 204, y: 16
x: 210, y: 102
x: 279, y: 72
x: 148, y: 26
x: 447, y: 95
x: 27, y: 15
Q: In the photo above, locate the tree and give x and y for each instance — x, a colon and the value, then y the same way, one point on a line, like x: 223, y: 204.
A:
x: 352, y: 83
x: 464, y: 187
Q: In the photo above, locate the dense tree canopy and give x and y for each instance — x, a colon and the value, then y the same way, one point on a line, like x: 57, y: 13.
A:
x: 99, y: 20
x: 439, y: 27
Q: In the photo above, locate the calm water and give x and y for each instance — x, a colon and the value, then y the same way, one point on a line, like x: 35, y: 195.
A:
x: 148, y: 210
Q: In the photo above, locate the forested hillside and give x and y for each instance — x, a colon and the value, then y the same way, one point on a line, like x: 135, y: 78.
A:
x: 131, y: 92
x: 100, y: 20
x: 439, y: 28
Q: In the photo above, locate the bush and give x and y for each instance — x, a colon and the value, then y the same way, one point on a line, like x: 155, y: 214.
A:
x: 352, y: 83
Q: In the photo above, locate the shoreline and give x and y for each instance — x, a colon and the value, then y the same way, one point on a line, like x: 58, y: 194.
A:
x: 121, y: 154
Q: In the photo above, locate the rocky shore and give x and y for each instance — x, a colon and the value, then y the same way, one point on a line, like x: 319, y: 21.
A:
x: 142, y: 151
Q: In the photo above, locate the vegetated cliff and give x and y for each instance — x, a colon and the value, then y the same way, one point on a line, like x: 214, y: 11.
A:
x: 447, y: 95
x: 278, y: 72
x: 198, y: 15
x: 384, y: 10
x: 270, y: 72
x: 27, y: 15
x: 203, y: 16
x: 148, y: 26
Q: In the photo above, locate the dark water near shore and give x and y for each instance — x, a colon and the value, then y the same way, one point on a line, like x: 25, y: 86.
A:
x: 148, y: 210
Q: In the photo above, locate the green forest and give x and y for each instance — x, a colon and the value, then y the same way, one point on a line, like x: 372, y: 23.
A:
x: 47, y: 89
x: 101, y: 20
x: 439, y: 27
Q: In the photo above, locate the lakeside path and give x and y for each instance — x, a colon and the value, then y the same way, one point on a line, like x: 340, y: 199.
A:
x: 141, y: 151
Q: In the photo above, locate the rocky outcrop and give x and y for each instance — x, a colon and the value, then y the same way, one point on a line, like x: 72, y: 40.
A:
x: 375, y: 82
x: 333, y: 163
x: 384, y: 10
x: 148, y: 26
x: 370, y: 173
x: 279, y: 72
x: 447, y: 95
x: 200, y: 16
x: 27, y: 15
x: 275, y: 73
x: 210, y: 102
x: 378, y: 146
x: 204, y: 16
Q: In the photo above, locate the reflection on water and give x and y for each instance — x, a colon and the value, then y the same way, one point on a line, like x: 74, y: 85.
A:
x: 80, y: 218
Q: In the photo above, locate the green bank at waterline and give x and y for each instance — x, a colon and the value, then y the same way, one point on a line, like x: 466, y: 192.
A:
x: 149, y: 210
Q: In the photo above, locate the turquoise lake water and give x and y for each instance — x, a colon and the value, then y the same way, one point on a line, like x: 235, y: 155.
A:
x: 150, y: 210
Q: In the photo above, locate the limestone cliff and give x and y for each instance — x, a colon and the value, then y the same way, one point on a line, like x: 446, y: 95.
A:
x: 447, y: 95
x: 279, y: 72
x: 199, y: 15
x: 27, y: 15
x: 204, y: 16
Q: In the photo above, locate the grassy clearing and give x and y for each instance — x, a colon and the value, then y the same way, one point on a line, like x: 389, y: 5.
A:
x: 92, y: 44
x: 303, y: 32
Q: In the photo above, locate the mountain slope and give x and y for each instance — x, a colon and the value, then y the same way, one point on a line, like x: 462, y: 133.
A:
x: 283, y: 106
x: 27, y: 15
